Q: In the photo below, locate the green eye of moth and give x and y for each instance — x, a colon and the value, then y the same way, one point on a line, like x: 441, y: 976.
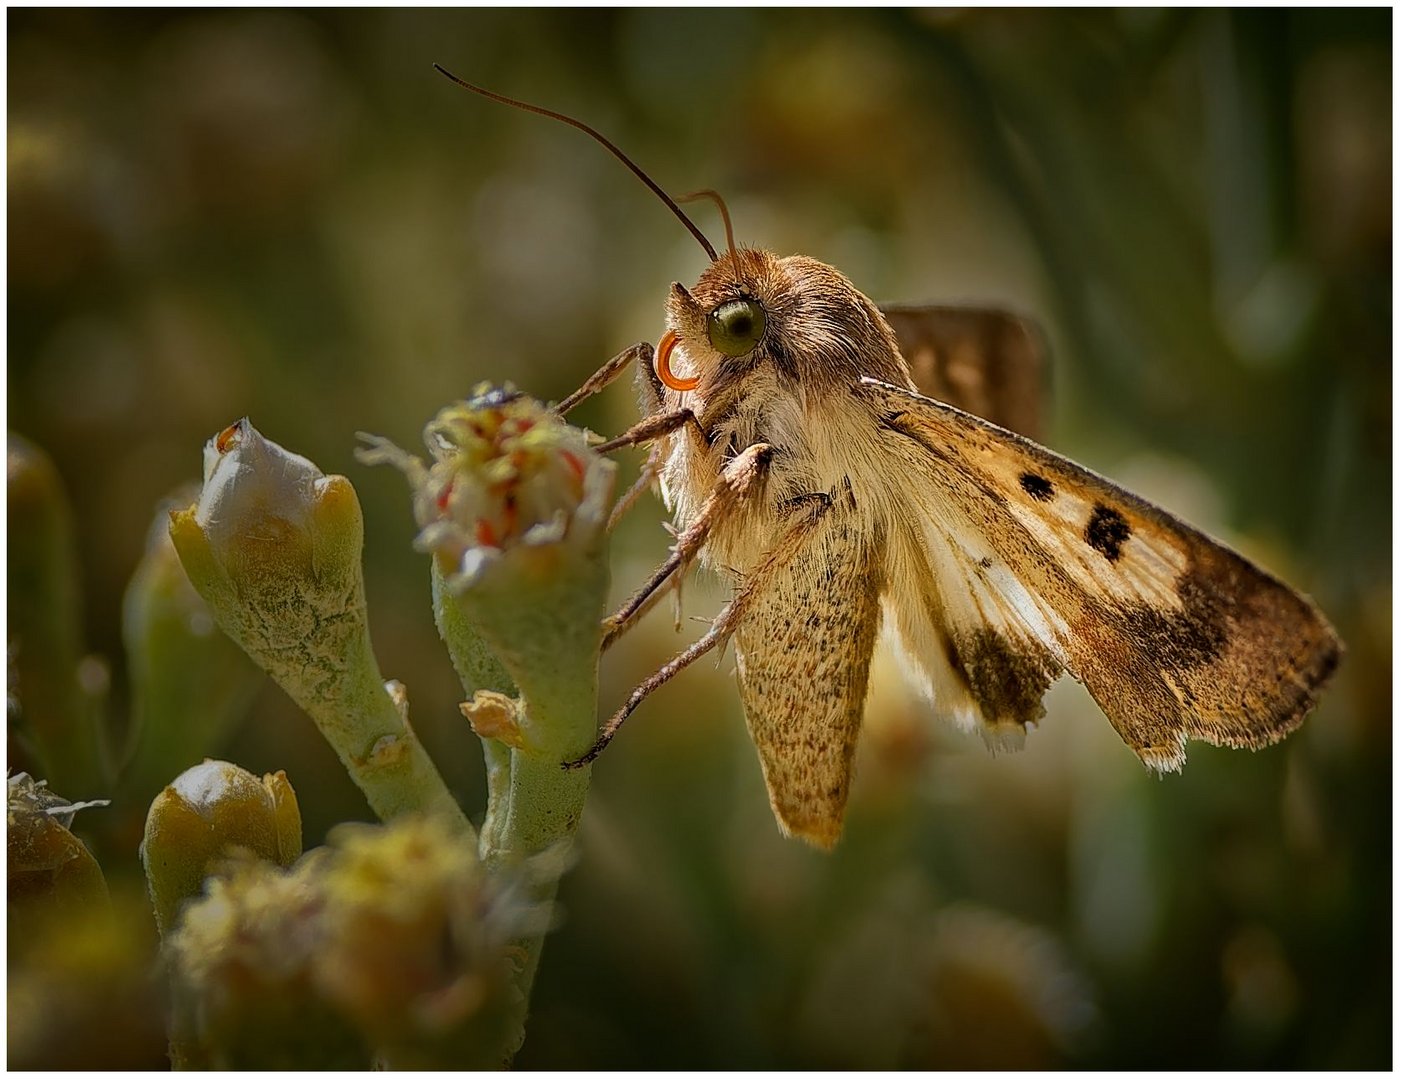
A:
x: 736, y: 326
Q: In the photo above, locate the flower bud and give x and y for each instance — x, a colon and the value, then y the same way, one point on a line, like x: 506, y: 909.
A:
x: 241, y: 962
x: 51, y: 875
x: 273, y: 546
x: 507, y: 476
x: 418, y: 944
x: 200, y: 819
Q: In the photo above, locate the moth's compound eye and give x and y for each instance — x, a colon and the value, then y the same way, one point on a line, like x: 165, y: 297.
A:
x: 736, y: 326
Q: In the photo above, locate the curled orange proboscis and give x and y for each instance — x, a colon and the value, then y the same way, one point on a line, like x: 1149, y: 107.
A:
x: 664, y: 372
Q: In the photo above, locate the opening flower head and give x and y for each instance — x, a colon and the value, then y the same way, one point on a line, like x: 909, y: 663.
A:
x: 506, y: 474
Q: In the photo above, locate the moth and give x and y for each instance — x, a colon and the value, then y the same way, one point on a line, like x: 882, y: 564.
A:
x: 843, y: 498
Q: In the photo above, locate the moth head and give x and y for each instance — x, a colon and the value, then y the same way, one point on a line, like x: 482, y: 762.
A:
x: 751, y: 308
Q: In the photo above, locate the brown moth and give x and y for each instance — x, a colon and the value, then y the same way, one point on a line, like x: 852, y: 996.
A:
x: 804, y: 463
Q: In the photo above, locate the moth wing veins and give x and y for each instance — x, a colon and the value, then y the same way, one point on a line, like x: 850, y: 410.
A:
x: 804, y: 651
x: 1175, y: 636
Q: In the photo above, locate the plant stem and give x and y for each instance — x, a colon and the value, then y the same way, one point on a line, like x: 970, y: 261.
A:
x: 534, y: 805
x: 378, y: 748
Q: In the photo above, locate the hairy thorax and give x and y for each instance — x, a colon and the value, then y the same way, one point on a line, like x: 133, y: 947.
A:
x: 824, y: 460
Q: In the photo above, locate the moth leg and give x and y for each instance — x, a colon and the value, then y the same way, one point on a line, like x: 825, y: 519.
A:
x: 651, y: 468
x: 649, y: 428
x: 739, y: 478
x: 641, y: 352
x: 720, y: 630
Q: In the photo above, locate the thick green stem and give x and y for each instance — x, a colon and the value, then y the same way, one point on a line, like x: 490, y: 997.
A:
x: 534, y: 804
x: 378, y: 748
x: 477, y: 668
x: 543, y: 809
x: 545, y: 800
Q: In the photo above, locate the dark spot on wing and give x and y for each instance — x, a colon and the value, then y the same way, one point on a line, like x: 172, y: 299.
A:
x: 1007, y: 681
x: 1038, y: 487
x: 1191, y: 638
x: 1106, y: 531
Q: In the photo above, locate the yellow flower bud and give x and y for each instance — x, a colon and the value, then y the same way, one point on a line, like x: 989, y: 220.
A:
x: 209, y: 812
x: 241, y: 964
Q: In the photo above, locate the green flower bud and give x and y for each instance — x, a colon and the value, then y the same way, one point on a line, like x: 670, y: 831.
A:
x: 59, y: 720
x: 273, y: 546
x: 514, y: 510
x: 189, y: 682
x: 52, y: 877
x: 202, y: 818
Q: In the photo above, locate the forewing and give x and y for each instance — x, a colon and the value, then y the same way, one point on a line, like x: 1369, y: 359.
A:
x: 1173, y: 634
x: 985, y: 361
x: 804, y: 651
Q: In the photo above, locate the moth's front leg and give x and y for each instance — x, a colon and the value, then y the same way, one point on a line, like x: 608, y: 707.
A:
x: 657, y: 422
x: 600, y: 379
x: 650, y: 428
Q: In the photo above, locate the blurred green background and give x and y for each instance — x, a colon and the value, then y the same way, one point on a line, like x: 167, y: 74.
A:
x: 289, y: 215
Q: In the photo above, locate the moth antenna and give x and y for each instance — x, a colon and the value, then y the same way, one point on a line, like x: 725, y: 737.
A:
x: 595, y: 135
x: 714, y: 196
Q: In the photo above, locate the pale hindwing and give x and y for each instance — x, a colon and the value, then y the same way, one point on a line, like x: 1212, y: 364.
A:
x: 804, y: 650
x: 1040, y: 564
x: 979, y: 643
